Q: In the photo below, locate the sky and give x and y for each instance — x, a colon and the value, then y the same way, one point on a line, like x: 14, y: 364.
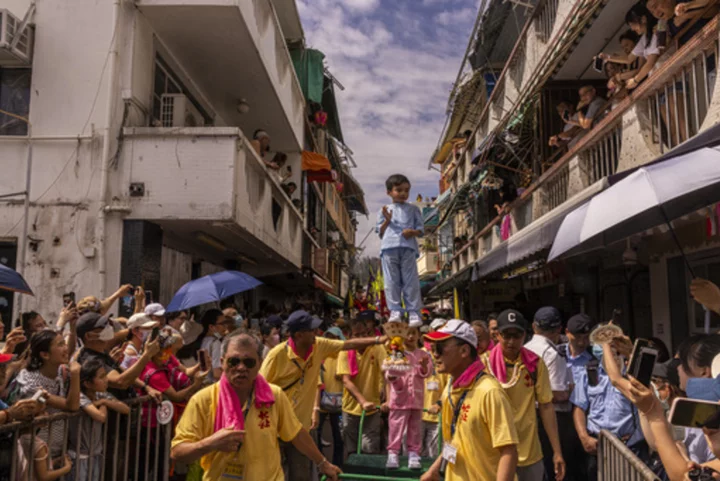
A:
x: 397, y: 60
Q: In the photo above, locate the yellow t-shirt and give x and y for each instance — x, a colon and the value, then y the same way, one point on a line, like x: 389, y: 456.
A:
x: 369, y: 379
x: 523, y: 396
x: 282, y: 367
x: 332, y: 383
x: 484, y: 425
x: 260, y: 452
x: 434, y: 387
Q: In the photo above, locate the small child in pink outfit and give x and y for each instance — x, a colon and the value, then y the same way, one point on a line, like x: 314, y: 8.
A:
x: 406, y: 394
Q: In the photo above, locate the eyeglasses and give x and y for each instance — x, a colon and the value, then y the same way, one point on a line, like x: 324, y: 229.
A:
x: 439, y: 347
x: 248, y: 362
x: 512, y: 334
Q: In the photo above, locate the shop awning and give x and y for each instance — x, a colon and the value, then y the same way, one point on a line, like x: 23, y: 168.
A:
x: 537, y: 236
x: 322, y: 284
x: 334, y: 300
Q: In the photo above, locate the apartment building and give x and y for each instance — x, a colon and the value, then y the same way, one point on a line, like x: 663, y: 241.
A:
x: 129, y: 125
x: 505, y: 190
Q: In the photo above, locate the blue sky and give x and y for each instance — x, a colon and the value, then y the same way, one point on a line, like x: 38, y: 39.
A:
x: 397, y: 60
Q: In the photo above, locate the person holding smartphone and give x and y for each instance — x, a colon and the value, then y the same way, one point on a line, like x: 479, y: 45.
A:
x: 566, y: 111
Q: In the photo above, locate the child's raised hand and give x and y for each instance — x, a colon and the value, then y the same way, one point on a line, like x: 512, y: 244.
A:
x: 386, y: 213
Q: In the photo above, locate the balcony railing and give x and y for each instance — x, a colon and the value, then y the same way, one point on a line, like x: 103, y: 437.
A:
x: 684, y: 78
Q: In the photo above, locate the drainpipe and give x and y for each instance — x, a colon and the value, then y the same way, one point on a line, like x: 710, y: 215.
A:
x: 107, y: 138
x: 26, y: 215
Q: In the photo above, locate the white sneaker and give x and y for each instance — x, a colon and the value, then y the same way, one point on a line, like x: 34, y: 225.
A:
x: 395, y: 316
x: 414, y: 461
x: 392, y: 462
x: 415, y: 320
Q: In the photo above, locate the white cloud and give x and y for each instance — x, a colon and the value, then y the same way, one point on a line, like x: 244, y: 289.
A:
x: 361, y: 5
x: 451, y: 17
x: 397, y: 65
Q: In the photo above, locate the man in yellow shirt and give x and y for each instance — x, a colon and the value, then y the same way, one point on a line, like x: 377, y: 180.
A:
x: 294, y: 365
x: 228, y: 453
x: 363, y: 380
x: 477, y: 419
x: 525, y: 379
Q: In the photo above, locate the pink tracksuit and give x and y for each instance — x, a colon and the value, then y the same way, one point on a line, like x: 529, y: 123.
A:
x: 406, y: 403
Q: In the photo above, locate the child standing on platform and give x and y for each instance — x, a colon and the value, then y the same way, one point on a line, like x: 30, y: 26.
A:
x: 399, y: 225
x: 406, y: 395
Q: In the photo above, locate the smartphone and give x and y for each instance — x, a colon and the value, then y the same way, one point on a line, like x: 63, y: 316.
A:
x: 39, y: 396
x: 148, y: 298
x: 202, y: 353
x: 154, y: 334
x: 598, y: 64
x: 639, y: 344
x: 642, y: 364
x: 68, y: 299
x: 692, y: 413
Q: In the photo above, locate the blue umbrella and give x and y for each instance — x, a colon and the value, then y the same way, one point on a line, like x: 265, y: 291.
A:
x: 211, y: 288
x: 12, y: 281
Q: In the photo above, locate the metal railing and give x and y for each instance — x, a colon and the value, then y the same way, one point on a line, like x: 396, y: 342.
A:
x: 545, y: 20
x: 128, y: 448
x: 682, y: 101
x: 556, y: 189
x: 616, y: 462
x: 601, y: 159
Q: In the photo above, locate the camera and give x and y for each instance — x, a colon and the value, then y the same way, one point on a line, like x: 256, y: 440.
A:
x: 701, y: 474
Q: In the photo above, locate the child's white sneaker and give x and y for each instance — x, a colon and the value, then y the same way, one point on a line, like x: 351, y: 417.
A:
x: 415, y: 320
x: 414, y: 461
x: 393, y: 462
x: 395, y: 316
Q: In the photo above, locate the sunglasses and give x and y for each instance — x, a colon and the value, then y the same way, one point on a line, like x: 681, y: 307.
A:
x: 512, y: 334
x: 248, y: 362
x: 439, y: 347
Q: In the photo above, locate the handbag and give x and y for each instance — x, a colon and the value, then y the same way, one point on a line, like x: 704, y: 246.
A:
x: 330, y: 402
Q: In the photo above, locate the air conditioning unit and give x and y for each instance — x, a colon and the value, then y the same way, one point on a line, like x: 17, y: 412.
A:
x: 14, y: 52
x: 176, y: 110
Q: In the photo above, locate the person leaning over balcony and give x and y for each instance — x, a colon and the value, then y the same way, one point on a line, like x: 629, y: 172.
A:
x: 233, y: 426
x: 642, y: 23
x: 261, y: 142
x: 678, y: 14
x: 590, y: 109
x: 294, y: 365
x: 566, y: 111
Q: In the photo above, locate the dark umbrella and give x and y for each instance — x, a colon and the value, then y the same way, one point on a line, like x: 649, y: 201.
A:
x: 211, y: 288
x: 10, y: 280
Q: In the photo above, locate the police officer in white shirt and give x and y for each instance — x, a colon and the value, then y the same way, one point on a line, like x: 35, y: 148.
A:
x: 547, y: 326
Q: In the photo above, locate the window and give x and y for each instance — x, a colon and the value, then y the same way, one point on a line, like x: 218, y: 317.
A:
x: 166, y: 82
x: 15, y: 99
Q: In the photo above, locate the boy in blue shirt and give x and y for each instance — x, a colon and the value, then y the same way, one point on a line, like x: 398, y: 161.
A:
x: 398, y: 225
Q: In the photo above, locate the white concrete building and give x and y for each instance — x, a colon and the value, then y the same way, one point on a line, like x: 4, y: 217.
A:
x: 531, y: 58
x: 139, y: 163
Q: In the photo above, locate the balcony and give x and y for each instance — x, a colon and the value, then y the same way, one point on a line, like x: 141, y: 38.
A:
x: 235, y: 49
x: 428, y: 263
x: 674, y: 103
x: 207, y: 187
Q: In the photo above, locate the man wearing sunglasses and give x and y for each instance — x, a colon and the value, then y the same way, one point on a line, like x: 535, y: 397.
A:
x: 294, y: 365
x: 477, y: 419
x: 233, y: 426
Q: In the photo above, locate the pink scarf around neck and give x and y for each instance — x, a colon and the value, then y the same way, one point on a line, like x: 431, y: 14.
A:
x: 291, y: 343
x: 353, y: 362
x: 497, y: 362
x: 469, y: 375
x: 229, y: 411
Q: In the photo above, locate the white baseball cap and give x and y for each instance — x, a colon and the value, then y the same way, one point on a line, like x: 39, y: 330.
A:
x: 155, y: 309
x: 437, y: 323
x: 454, y: 328
x: 141, y: 320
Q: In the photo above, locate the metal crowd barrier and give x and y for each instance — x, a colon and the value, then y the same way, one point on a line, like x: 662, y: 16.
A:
x: 130, y: 451
x: 617, y: 463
